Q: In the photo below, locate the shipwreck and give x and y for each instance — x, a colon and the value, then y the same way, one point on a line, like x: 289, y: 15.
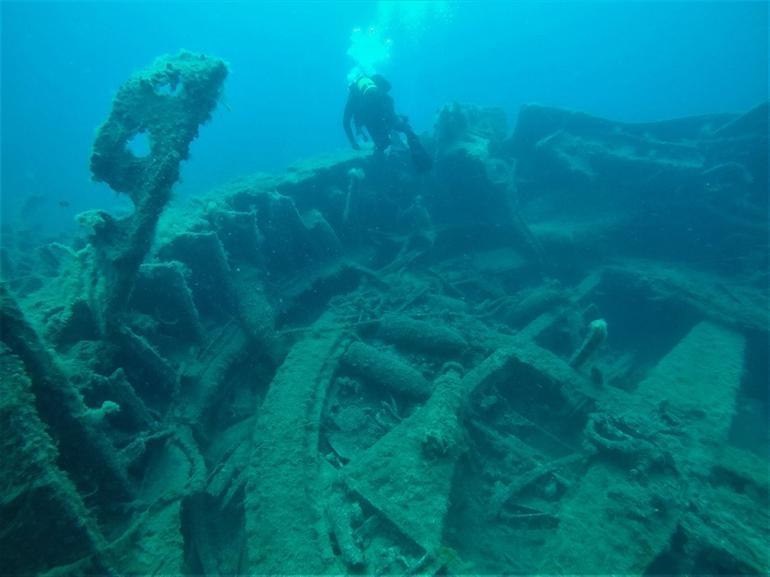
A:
x: 547, y: 355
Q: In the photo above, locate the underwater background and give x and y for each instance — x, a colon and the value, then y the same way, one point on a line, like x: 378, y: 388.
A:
x: 632, y: 61
x: 520, y: 326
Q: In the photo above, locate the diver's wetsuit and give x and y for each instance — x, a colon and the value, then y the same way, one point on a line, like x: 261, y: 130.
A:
x: 369, y: 105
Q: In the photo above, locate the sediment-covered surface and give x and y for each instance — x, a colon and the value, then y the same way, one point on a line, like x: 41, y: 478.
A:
x: 352, y: 368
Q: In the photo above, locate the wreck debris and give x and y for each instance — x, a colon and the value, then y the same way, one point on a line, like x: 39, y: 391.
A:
x: 89, y: 454
x: 569, y: 161
x: 382, y: 369
x: 343, y: 516
x: 430, y: 337
x: 209, y: 272
x: 407, y: 475
x: 357, y: 375
x: 284, y: 488
x: 596, y: 335
x: 167, y: 103
x: 161, y: 291
x: 691, y: 395
x: 39, y: 502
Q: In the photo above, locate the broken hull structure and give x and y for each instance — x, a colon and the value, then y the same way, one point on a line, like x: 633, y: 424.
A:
x: 352, y: 368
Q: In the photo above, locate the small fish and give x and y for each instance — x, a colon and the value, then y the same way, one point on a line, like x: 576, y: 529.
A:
x: 64, y: 203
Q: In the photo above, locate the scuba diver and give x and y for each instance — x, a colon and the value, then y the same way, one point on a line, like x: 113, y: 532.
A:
x: 370, y: 106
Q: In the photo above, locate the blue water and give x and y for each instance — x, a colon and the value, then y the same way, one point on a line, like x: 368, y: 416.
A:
x: 63, y: 61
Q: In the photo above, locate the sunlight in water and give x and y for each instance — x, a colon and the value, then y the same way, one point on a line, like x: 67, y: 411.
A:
x: 369, y: 50
x: 370, y: 47
x: 414, y: 17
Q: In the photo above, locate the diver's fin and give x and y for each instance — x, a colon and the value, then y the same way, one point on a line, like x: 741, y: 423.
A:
x: 420, y: 158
